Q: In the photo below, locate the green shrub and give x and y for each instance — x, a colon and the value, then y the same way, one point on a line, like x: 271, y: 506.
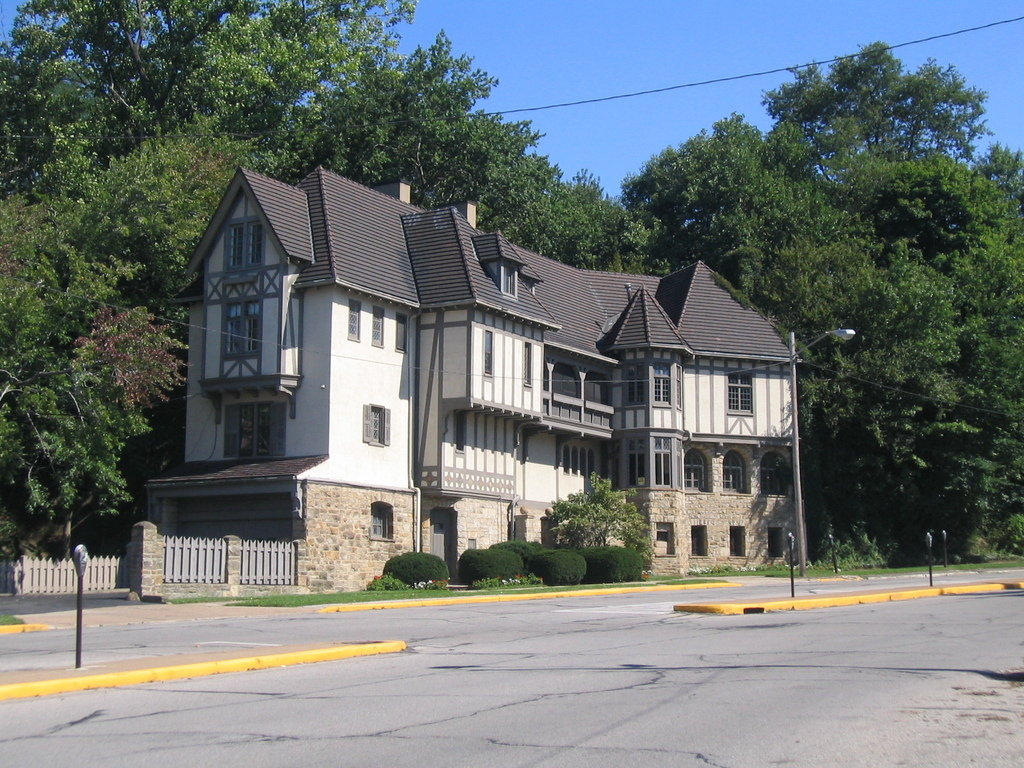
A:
x: 609, y: 565
x: 386, y: 583
x: 558, y: 566
x: 415, y: 567
x: 525, y: 549
x: 477, y: 564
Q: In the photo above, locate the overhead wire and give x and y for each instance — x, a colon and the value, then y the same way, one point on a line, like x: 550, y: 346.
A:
x: 396, y: 121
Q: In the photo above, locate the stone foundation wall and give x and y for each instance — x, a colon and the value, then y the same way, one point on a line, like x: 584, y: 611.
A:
x: 341, y: 554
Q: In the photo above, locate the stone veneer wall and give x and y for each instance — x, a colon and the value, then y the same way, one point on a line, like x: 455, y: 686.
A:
x: 340, y: 553
x: 481, y: 521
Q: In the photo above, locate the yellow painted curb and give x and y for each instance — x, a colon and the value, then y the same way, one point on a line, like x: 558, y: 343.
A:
x: 470, y: 599
x: 808, y: 603
x: 8, y: 629
x: 198, y: 669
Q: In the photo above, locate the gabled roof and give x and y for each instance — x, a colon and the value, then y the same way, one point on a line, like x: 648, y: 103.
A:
x: 643, y: 323
x: 284, y: 210
x: 445, y: 253
x: 362, y: 239
x: 712, y: 320
x: 357, y: 236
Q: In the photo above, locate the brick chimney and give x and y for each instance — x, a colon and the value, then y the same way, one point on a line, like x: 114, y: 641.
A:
x: 400, y: 189
x: 468, y: 211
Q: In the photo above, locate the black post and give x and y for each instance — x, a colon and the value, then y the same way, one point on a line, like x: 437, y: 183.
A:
x: 792, y: 577
x: 832, y: 546
x: 81, y: 558
x: 945, y: 552
x: 928, y: 542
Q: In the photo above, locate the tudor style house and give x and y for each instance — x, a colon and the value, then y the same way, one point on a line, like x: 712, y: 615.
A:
x: 368, y: 377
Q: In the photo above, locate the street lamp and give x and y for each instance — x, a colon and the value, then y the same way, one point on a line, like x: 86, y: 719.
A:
x: 798, y: 497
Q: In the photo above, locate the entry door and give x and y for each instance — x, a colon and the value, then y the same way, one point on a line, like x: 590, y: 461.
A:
x: 442, y: 537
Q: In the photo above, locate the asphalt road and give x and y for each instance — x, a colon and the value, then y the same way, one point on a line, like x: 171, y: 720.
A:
x: 614, y: 681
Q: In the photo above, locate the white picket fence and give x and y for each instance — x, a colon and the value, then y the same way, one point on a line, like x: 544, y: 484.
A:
x: 191, y: 560
x: 268, y: 562
x: 41, y: 576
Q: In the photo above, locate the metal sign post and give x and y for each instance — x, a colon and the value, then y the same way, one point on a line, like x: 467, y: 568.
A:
x: 945, y: 552
x: 928, y: 543
x: 835, y: 558
x: 792, y: 578
x: 81, y: 558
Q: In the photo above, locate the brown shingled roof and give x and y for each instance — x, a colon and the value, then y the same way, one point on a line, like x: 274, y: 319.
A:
x: 243, y: 469
x: 286, y: 211
x: 643, y: 323
x: 713, y: 321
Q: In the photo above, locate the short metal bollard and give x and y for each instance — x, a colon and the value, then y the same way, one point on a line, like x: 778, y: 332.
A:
x: 928, y: 543
x: 792, y: 577
x: 81, y: 557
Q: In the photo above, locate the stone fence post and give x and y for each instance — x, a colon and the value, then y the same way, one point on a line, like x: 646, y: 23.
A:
x: 146, y: 569
x: 234, y: 573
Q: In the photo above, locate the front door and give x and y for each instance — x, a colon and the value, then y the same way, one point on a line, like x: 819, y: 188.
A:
x: 442, y: 537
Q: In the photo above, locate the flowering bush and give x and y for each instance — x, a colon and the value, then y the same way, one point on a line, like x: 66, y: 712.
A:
x: 512, y: 581
x: 439, y: 584
x: 385, y: 583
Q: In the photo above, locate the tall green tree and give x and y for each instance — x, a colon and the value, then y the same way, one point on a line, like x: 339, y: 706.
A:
x: 870, y: 103
x: 75, y: 379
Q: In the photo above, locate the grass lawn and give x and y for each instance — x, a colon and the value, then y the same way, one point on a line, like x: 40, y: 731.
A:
x: 288, y: 601
x: 5, y: 619
x: 815, y: 571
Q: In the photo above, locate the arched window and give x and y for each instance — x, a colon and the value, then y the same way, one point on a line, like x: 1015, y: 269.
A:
x: 591, y: 463
x: 382, y: 521
x: 575, y: 460
x: 695, y: 470
x: 734, y: 473
x: 566, y: 463
x: 775, y: 475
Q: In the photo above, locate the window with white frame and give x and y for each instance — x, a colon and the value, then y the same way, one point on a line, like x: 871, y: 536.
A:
x: 377, y: 335
x: 488, y: 353
x: 636, y: 462
x: 254, y: 429
x: 401, y: 331
x: 376, y: 425
x: 636, y: 385
x: 527, y: 364
x: 695, y: 470
x: 355, y: 309
x: 741, y: 393
x: 662, y: 384
x: 382, y: 521
x: 663, y: 461
x: 244, y: 245
x: 508, y: 278
x: 242, y: 324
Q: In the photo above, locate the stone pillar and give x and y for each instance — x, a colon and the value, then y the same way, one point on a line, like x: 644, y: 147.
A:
x: 234, y: 574
x: 301, y: 562
x: 146, y: 569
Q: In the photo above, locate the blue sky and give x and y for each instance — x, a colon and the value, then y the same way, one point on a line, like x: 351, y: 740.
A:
x: 547, y: 51
x: 551, y: 51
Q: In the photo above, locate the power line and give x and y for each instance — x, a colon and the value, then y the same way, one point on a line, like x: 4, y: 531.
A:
x: 522, y: 110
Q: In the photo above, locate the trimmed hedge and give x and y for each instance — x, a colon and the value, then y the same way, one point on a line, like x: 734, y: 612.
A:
x: 414, y: 567
x: 525, y: 549
x: 610, y: 565
x: 558, y: 566
x: 476, y: 564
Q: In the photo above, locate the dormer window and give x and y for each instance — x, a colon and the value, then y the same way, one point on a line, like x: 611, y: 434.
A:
x: 244, y: 245
x: 509, y: 273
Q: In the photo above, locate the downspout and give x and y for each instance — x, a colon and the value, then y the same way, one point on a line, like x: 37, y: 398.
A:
x: 412, y: 388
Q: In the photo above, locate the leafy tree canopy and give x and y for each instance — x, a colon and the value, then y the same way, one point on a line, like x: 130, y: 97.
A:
x: 597, y: 517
